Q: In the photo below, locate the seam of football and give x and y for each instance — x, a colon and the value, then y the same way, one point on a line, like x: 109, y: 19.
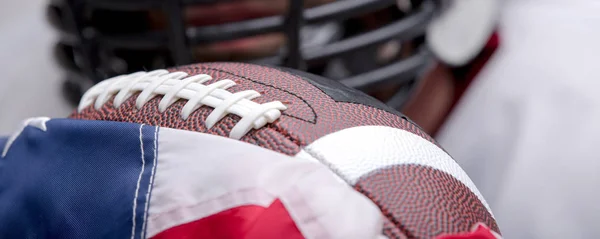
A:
x: 173, y: 86
x: 314, y: 113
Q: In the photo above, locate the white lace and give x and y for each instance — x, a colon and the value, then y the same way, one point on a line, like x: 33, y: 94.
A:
x: 177, y: 85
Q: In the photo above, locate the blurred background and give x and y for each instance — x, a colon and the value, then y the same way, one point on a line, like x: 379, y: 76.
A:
x: 32, y: 81
x: 520, y: 116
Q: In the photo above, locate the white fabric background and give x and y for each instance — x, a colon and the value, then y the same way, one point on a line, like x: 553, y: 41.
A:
x: 528, y: 131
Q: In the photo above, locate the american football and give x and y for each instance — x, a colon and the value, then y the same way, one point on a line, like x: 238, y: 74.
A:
x: 299, y: 119
x: 419, y: 189
x: 253, y: 119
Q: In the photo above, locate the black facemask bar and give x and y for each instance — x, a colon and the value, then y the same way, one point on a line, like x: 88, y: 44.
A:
x: 179, y: 39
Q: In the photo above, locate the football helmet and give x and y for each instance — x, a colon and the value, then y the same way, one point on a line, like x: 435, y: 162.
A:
x: 373, y: 45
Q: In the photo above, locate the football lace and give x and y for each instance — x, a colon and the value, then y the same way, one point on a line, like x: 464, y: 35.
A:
x: 178, y: 85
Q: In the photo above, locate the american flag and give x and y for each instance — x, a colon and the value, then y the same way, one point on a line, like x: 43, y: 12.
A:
x: 65, y: 178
